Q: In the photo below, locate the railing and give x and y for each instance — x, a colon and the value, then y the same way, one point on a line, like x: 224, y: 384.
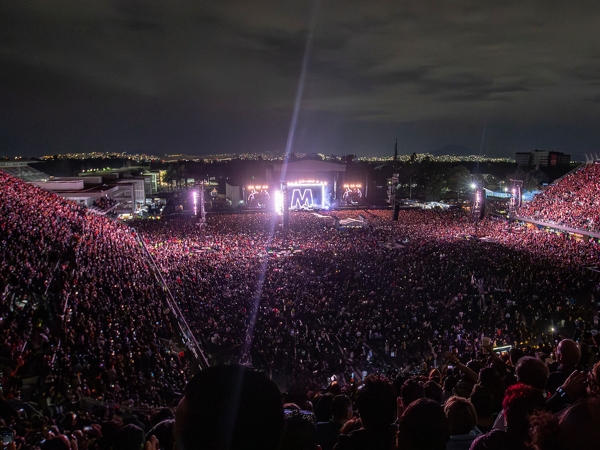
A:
x: 558, y: 226
x: 51, y: 278
x: 186, y: 333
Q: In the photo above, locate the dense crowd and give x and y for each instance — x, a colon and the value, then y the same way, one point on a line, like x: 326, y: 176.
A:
x: 387, y: 295
x: 104, y: 203
x: 573, y: 201
x: 79, y: 304
x: 86, y: 325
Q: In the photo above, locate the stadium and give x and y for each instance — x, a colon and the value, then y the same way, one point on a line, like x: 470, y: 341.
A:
x: 108, y: 321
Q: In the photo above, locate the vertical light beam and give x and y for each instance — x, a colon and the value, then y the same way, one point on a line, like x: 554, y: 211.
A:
x: 300, y: 91
x: 245, y: 354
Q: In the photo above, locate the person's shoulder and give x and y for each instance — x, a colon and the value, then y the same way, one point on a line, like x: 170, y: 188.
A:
x: 351, y: 440
x: 355, y: 434
x: 489, y: 440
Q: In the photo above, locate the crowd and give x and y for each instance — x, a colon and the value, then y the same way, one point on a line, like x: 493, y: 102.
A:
x: 104, y: 203
x: 82, y: 314
x: 345, y: 301
x: 85, y: 322
x: 571, y: 202
x: 404, y: 414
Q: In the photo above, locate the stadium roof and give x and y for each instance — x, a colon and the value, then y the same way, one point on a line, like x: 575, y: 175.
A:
x: 23, y: 171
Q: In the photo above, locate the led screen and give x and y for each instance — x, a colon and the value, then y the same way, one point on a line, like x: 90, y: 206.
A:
x: 306, y: 196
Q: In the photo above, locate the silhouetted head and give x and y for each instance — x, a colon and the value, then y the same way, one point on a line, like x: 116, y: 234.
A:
x: 568, y: 353
x: 515, y: 355
x: 341, y: 408
x: 376, y: 403
x: 532, y: 372
x: 227, y: 407
x: 519, y: 404
x: 411, y: 390
x: 423, y: 426
x: 433, y: 391
x: 580, y: 426
x: 461, y: 415
x: 300, y: 427
x: 482, y: 400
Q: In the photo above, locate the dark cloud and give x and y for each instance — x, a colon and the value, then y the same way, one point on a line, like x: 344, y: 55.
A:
x: 218, y: 76
x: 589, y: 73
x: 594, y: 98
x: 143, y: 25
x: 410, y: 75
x: 461, y: 84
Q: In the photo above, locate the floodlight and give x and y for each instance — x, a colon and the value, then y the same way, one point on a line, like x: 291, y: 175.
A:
x: 279, y: 201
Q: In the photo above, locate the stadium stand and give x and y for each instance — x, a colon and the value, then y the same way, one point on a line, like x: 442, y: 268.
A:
x: 573, y: 201
x: 90, y: 349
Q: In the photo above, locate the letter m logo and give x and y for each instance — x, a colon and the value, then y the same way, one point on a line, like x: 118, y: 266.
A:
x: 299, y: 199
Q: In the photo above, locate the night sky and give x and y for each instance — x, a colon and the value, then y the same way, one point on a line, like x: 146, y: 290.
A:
x: 206, y: 77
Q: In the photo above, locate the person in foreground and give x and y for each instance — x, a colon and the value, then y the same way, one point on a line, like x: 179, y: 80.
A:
x: 228, y: 407
x: 376, y: 404
x: 520, y: 402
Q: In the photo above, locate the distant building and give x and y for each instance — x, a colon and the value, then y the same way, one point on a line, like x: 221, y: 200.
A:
x: 129, y: 186
x: 522, y: 158
x: 84, y: 190
x: 542, y: 158
x: 150, y: 177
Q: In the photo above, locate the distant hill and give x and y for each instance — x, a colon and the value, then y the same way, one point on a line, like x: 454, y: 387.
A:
x: 454, y: 149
